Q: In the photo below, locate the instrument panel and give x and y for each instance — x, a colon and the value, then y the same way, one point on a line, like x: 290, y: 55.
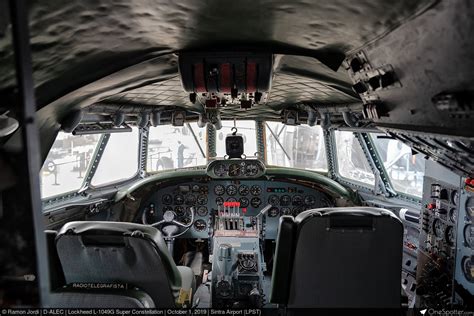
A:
x: 208, y: 196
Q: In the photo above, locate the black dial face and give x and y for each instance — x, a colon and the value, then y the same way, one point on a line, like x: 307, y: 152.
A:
x: 297, y: 200
x: 186, y: 217
x: 273, y: 199
x: 196, y: 188
x: 469, y: 236
x: 468, y: 268
x: 450, y: 236
x: 190, y: 199
x: 438, y: 228
x: 178, y: 199
x: 235, y: 170
x: 219, y: 189
x: 285, y: 200
x: 231, y: 199
x: 244, y: 190
x: 201, y: 199
x: 251, y: 169
x: 309, y: 200
x: 231, y: 190
x: 297, y: 210
x: 200, y: 225
x: 286, y: 211
x: 180, y: 211
x: 202, y: 211
x: 255, y: 190
x: 219, y: 200
x: 167, y: 199
x: 244, y: 202
x: 255, y: 202
x: 220, y: 170
x: 167, y: 208
x: 273, y: 212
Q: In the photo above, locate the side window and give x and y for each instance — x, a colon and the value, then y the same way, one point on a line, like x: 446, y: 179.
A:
x: 119, y: 160
x: 351, y: 161
x: 67, y: 163
x: 405, y: 170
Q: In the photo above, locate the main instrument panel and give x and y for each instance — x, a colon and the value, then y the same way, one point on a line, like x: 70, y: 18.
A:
x: 208, y: 195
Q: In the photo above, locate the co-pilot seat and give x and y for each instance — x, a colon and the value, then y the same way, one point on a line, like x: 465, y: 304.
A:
x: 113, y: 257
x: 339, y: 258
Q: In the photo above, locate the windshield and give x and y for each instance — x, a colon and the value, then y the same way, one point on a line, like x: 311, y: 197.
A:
x: 119, y: 160
x: 67, y: 163
x: 295, y: 146
x: 172, y: 147
x: 352, y: 163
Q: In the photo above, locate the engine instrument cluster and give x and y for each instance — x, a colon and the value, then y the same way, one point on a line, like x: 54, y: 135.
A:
x: 236, y: 168
x: 208, y: 196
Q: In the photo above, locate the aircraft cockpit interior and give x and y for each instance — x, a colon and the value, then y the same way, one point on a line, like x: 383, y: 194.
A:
x: 273, y: 156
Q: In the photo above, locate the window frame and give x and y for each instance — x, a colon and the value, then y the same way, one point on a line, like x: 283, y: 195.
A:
x: 403, y: 195
x: 340, y: 177
x: 72, y: 193
x: 264, y: 140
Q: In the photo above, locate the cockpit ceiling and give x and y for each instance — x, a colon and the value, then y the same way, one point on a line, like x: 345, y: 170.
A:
x: 77, y: 42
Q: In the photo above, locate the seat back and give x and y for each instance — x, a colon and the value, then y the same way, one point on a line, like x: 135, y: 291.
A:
x: 340, y: 258
x: 113, y: 253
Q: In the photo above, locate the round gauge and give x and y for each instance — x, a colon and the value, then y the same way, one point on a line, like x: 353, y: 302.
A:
x: 178, y: 199
x: 297, y: 200
x: 285, y: 211
x: 234, y: 170
x: 202, y: 211
x: 167, y: 199
x: 231, y: 199
x: 470, y: 207
x: 220, y: 170
x: 309, y: 200
x: 219, y: 200
x: 190, y: 199
x: 255, y: 202
x: 244, y: 190
x: 285, y: 200
x: 179, y: 210
x: 469, y: 236
x: 273, y: 212
x: 255, y: 190
x: 450, y: 236
x: 455, y: 197
x: 274, y: 200
x: 251, y: 170
x: 244, y: 202
x: 438, y: 228
x: 219, y: 189
x: 247, y: 263
x: 453, y: 215
x: 231, y: 190
x: 201, y: 199
x: 167, y: 209
x: 196, y: 188
x: 468, y: 268
x: 200, y: 225
x: 297, y: 210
